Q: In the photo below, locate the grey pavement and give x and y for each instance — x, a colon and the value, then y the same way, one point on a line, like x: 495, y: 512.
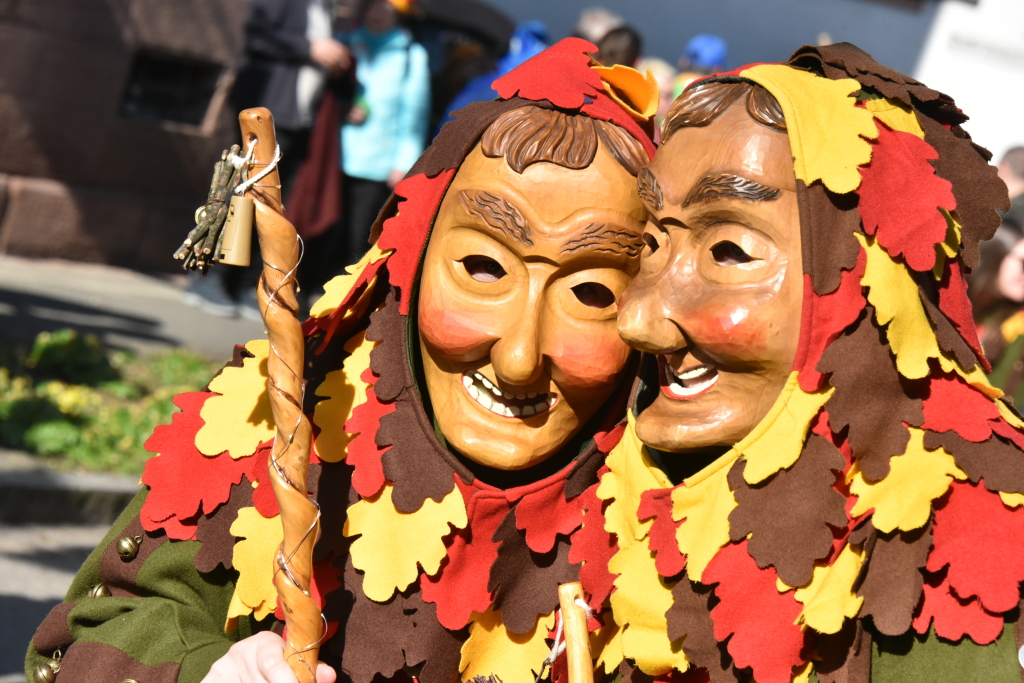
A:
x: 37, y: 564
x: 125, y: 309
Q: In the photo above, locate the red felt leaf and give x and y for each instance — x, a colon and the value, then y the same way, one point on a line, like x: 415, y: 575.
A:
x: 656, y: 504
x: 955, y: 617
x: 263, y: 497
x: 363, y: 452
x: 759, y: 618
x: 460, y: 587
x: 978, y: 538
x: 407, y: 231
x: 594, y: 547
x: 900, y: 197
x: 954, y: 303
x: 606, y: 441
x: 576, y: 81
x: 954, y: 405
x: 826, y: 317
x: 545, y: 513
x: 183, y: 482
x: 329, y: 323
x: 1008, y: 432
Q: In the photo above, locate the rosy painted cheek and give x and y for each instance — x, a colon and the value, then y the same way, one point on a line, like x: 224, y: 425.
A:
x: 728, y: 331
x: 455, y: 331
x: 587, y: 361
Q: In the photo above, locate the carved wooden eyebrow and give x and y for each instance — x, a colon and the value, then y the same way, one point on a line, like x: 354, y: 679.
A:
x: 498, y: 213
x: 729, y: 186
x: 649, y: 190
x: 609, y: 239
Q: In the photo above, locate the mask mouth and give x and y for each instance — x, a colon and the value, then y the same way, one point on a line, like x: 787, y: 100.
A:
x: 688, y: 383
x: 504, y: 403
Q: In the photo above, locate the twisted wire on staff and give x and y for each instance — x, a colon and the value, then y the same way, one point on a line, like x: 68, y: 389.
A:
x: 281, y: 249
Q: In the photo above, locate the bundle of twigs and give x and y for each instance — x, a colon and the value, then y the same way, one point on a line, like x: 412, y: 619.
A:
x: 203, y: 245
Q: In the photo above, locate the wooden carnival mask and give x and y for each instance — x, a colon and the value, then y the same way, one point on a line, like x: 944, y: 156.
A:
x: 718, y: 297
x: 517, y: 302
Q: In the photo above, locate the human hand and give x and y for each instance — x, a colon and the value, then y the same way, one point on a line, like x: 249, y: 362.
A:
x: 330, y: 54
x: 395, y: 177
x: 260, y: 659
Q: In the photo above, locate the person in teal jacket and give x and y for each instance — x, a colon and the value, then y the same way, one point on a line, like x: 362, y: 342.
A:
x: 385, y: 131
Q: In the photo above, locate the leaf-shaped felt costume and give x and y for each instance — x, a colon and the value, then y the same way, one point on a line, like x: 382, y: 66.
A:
x: 886, y: 480
x: 437, y: 569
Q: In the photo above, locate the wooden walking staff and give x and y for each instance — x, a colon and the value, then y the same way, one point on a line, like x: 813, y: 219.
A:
x: 576, y: 633
x: 281, y: 249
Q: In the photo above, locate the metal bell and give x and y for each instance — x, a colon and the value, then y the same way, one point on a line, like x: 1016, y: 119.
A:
x: 44, y: 673
x: 99, y: 591
x: 128, y: 547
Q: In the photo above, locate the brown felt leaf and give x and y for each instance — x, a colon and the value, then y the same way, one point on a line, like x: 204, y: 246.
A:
x: 976, y: 186
x: 375, y: 633
x: 432, y: 644
x: 336, y: 481
x: 690, y: 616
x: 845, y: 656
x: 996, y: 461
x: 416, y: 462
x: 789, y: 516
x: 869, y: 398
x: 948, y: 337
x: 213, y: 530
x: 525, y: 583
x: 844, y: 60
x: 828, y: 221
x: 389, y: 360
x: 584, y: 470
x: 628, y: 673
x: 891, y: 581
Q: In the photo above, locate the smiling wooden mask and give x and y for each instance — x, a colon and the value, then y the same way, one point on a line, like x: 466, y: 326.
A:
x: 536, y: 238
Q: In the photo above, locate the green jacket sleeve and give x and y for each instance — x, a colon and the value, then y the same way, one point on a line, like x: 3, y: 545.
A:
x: 913, y: 658
x: 158, y: 619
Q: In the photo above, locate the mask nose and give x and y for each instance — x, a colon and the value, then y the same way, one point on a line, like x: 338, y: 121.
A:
x: 643, y: 322
x: 516, y: 357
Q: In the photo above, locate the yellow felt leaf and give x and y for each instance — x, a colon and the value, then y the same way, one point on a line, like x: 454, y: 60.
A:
x: 705, y: 505
x: 639, y: 603
x: 803, y: 674
x: 632, y: 471
x: 240, y: 418
x: 392, y: 545
x: 339, y: 287
x: 1012, y: 500
x: 491, y: 650
x: 896, y: 115
x: 253, y: 559
x: 826, y: 128
x: 345, y: 390
x: 1009, y: 415
x: 829, y: 599
x: 606, y: 648
x: 903, y: 500
x: 776, y: 441
x: 1013, y: 327
x: 894, y: 294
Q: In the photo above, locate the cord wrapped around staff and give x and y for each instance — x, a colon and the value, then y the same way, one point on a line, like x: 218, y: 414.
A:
x: 281, y: 249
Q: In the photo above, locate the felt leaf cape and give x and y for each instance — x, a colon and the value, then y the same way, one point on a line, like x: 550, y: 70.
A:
x: 419, y: 564
x: 885, y: 481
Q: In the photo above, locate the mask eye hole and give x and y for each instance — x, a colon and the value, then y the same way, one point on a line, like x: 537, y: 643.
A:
x: 483, y: 269
x: 594, y: 295
x: 728, y: 253
x: 651, y: 242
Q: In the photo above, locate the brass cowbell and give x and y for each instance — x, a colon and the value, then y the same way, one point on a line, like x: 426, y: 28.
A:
x: 237, y: 243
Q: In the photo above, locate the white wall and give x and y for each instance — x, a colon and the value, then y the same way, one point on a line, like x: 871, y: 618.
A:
x: 975, y: 53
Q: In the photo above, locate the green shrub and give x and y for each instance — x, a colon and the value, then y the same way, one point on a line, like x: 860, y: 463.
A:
x: 69, y: 399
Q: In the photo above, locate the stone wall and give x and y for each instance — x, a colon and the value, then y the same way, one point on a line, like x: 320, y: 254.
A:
x: 79, y: 181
